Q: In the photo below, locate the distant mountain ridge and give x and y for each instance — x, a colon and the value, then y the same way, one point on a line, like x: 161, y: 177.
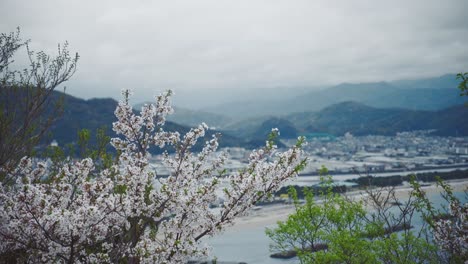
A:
x: 423, y: 94
x: 337, y: 119
x: 447, y: 81
x: 360, y: 119
x: 382, y: 108
x: 259, y: 128
x: 96, y: 113
x: 194, y: 117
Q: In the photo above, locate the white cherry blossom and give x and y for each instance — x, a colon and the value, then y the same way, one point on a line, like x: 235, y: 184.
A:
x: 128, y: 212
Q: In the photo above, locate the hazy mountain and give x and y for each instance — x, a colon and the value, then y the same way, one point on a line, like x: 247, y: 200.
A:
x: 369, y: 108
x: 251, y: 108
x: 95, y: 113
x: 423, y: 94
x: 260, y: 128
x: 191, y: 118
x: 418, y: 99
x: 361, y: 92
x: 447, y: 81
x: 79, y: 114
x: 202, y: 99
x: 360, y: 119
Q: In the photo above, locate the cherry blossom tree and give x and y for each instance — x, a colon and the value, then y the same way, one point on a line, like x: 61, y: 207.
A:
x: 449, y: 226
x: 28, y: 102
x: 127, y: 212
x: 451, y: 233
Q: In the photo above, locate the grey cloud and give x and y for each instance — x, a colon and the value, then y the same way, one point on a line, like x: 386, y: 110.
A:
x: 198, y: 46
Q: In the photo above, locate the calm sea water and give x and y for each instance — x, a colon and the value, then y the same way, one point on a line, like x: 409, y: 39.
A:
x: 251, y: 245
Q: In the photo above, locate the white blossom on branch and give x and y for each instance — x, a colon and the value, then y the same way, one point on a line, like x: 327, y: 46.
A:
x: 128, y: 212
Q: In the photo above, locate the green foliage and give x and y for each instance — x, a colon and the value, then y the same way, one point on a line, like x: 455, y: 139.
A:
x: 405, y: 247
x: 27, y: 106
x: 84, y: 148
x: 463, y: 85
x: 333, y: 221
x: 344, y: 233
x: 345, y: 246
x: 305, y: 226
x: 335, y: 229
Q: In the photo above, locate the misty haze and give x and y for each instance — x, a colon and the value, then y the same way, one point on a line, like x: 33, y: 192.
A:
x: 233, y: 131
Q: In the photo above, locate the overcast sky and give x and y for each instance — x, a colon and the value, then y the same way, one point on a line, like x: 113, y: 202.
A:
x: 194, y: 46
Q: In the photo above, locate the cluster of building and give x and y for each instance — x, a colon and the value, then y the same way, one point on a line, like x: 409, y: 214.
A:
x: 417, y: 150
x: 406, y: 151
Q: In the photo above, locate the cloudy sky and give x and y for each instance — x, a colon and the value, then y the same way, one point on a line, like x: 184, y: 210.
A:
x: 196, y: 47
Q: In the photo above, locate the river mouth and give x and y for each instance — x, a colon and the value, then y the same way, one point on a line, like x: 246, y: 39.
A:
x: 247, y: 242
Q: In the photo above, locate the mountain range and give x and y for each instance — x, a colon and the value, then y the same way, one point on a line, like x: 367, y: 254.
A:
x: 97, y: 113
x: 192, y: 118
x: 383, y: 108
x: 423, y: 94
x: 359, y: 119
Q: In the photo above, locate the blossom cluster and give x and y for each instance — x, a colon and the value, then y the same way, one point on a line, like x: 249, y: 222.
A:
x: 451, y: 233
x: 127, y: 212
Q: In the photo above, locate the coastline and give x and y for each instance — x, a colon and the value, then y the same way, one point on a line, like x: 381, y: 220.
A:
x: 271, y: 214
x: 246, y: 241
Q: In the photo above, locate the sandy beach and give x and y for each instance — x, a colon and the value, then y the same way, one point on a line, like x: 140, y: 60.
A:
x: 270, y: 214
